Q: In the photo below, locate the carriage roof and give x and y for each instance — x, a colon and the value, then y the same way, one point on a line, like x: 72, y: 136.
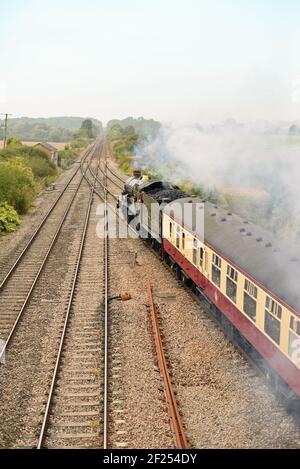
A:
x: 273, y: 263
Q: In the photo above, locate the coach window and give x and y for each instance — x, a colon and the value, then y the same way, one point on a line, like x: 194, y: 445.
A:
x: 183, y: 241
x: 250, y: 298
x: 171, y: 229
x: 273, y: 313
x: 195, y: 249
x: 216, y: 269
x: 201, y: 257
x: 231, y: 283
x: 294, y: 340
x: 178, y: 237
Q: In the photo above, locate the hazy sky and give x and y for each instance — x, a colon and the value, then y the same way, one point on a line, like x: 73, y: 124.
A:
x: 186, y: 61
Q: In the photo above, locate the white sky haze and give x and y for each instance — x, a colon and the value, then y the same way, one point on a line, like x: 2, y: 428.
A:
x: 181, y: 61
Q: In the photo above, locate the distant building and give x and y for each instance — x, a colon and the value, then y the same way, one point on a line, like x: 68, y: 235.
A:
x: 50, y: 150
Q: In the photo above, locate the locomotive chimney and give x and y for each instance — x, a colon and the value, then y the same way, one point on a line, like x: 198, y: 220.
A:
x: 137, y: 173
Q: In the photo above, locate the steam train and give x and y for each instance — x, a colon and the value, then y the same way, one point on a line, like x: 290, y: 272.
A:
x: 247, y: 277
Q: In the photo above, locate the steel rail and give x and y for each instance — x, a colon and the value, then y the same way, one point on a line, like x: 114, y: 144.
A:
x: 43, y: 432
x: 106, y: 310
x: 38, y: 229
x: 115, y: 183
x: 104, y: 187
x: 106, y: 344
x: 110, y: 179
x: 116, y: 175
x: 95, y: 175
x: 57, y: 232
x: 173, y: 411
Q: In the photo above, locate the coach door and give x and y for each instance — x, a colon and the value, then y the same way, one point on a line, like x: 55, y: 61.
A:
x: 205, y: 264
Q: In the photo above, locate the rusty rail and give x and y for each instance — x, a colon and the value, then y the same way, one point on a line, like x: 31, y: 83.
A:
x: 173, y: 411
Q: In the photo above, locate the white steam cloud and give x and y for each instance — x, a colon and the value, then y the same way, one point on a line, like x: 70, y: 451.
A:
x: 256, y: 174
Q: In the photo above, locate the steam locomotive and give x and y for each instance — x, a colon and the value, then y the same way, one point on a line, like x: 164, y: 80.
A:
x: 242, y: 271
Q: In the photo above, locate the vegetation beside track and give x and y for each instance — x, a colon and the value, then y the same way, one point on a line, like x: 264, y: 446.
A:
x: 9, y: 219
x: 25, y: 171
x: 125, y: 140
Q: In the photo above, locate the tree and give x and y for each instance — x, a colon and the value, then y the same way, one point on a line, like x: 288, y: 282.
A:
x: 87, y: 126
x: 128, y: 131
x: 115, y: 132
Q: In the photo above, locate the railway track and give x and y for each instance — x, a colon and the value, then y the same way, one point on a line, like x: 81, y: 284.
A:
x: 83, y: 406
x: 115, y: 175
x: 76, y: 413
x: 176, y: 424
x: 118, y: 182
x: 113, y: 411
x: 73, y: 401
x: 19, y: 283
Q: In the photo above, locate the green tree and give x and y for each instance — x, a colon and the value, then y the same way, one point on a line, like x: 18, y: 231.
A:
x: 87, y: 126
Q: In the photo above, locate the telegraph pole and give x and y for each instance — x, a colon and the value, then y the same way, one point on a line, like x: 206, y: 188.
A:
x: 5, y: 128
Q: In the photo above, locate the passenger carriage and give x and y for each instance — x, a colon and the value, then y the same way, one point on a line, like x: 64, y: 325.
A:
x: 249, y: 278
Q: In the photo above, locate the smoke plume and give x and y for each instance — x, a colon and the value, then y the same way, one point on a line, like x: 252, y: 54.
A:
x: 254, y: 173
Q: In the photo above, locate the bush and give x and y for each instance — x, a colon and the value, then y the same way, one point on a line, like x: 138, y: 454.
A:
x: 17, y: 186
x: 9, y: 220
x: 35, y: 158
x: 41, y: 168
x: 14, y: 142
x: 24, y: 171
x: 78, y: 143
x: 66, y: 157
x: 71, y: 152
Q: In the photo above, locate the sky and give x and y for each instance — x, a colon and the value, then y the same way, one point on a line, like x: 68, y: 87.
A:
x: 175, y: 61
